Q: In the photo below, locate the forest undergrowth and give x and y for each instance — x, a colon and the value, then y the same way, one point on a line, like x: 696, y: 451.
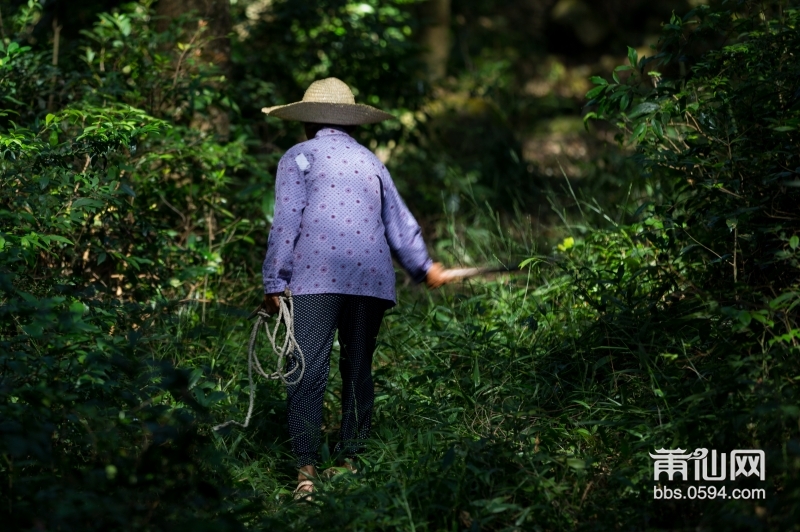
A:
x: 129, y: 261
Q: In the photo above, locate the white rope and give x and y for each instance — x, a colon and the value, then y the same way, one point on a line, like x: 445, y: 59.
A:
x: 288, y: 350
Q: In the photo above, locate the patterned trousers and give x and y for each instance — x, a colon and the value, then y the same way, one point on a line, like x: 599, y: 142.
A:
x: 316, y: 318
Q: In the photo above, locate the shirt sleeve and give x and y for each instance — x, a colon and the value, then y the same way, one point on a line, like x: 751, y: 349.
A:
x: 403, y: 232
x: 290, y: 200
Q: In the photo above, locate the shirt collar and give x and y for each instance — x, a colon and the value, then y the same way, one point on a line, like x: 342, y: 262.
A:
x: 330, y: 130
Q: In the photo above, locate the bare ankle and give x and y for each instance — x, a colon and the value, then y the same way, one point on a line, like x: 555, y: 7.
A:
x: 307, y: 472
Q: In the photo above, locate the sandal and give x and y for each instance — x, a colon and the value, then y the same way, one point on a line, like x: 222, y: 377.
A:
x: 304, y: 490
x: 349, y: 464
x: 345, y: 466
x: 305, y: 483
x: 331, y: 472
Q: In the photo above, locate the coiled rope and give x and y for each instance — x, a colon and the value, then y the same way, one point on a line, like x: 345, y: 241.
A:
x: 289, y: 350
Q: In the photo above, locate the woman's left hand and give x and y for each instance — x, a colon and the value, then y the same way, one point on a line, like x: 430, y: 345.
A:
x: 437, y: 276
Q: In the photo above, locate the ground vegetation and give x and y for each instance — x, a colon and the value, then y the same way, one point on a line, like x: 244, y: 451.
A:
x: 649, y: 193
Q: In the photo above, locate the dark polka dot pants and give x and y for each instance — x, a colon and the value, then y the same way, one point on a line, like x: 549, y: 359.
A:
x: 316, y: 318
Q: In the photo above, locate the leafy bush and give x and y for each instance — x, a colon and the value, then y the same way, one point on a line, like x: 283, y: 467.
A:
x: 97, y: 432
x: 722, y: 143
x: 519, y: 403
x: 533, y: 403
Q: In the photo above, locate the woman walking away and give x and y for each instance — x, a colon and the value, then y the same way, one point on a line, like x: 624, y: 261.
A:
x: 338, y: 221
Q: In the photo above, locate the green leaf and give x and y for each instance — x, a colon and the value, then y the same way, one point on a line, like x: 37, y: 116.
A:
x: 568, y: 243
x: 643, y: 109
x: 76, y: 307
x: 59, y: 238
x: 592, y: 94
x: 633, y: 56
x: 624, y: 101
x: 658, y: 129
x: 525, y: 262
x: 745, y: 318
x: 127, y: 190
x: 87, y: 202
x: 603, y: 361
x: 597, y: 80
x: 761, y: 317
x: 576, y: 463
x: 794, y: 242
x: 124, y: 25
x: 49, y: 118
x: 779, y: 301
x: 639, y: 131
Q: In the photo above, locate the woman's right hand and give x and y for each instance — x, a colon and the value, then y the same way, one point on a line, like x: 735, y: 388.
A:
x: 271, y: 303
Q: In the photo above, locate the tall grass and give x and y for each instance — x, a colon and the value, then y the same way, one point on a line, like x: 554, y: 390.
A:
x: 528, y: 401
x: 521, y: 402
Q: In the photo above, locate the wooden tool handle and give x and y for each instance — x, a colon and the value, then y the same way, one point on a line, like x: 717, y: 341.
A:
x: 458, y: 274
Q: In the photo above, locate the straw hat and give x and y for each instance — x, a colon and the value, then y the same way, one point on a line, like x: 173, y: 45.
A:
x: 328, y: 101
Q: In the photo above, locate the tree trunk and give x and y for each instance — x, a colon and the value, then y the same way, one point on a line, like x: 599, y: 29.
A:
x: 435, y: 37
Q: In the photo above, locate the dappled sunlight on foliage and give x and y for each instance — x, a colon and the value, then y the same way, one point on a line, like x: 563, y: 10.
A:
x: 654, y: 223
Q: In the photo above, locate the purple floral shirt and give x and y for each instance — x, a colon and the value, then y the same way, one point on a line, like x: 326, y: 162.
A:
x: 331, y: 232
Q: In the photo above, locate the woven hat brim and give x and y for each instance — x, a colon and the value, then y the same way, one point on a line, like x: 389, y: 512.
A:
x: 341, y: 114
